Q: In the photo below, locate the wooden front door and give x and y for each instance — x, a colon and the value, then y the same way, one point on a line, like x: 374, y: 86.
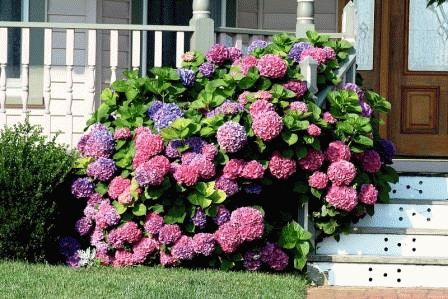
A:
x: 418, y: 78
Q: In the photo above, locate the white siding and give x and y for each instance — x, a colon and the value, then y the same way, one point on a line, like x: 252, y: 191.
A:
x: 281, y: 14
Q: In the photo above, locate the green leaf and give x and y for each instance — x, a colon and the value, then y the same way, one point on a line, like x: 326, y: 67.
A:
x: 218, y: 197
x: 290, y: 138
x: 316, y: 193
x: 139, y: 210
x: 176, y: 214
x: 121, y: 209
x: 101, y: 188
x: 156, y: 209
x: 299, y: 262
x: 199, y: 200
x: 300, y: 187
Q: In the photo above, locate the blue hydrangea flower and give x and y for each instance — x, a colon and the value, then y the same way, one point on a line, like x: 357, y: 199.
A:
x: 187, y: 77
x: 165, y: 115
x: 297, y: 50
x: 155, y: 106
x: 253, y: 189
x: 199, y: 219
x: 82, y: 188
x: 207, y: 69
x: 257, y: 44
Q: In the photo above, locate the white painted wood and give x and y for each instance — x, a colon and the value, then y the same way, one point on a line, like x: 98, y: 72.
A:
x: 25, y: 56
x: 136, y: 50
x: 180, y: 47
x: 47, y: 79
x: 158, y: 48
x: 69, y: 84
x: 91, y: 63
x: 372, y: 275
x: 420, y: 187
x: 113, y: 55
x: 3, y: 63
x: 239, y: 41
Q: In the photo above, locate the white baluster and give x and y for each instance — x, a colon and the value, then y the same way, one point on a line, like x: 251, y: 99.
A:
x: 113, y: 55
x: 136, y: 50
x: 239, y: 41
x: 180, y: 47
x: 47, y: 80
x: 158, y: 48
x: 25, y: 68
x: 69, y: 54
x: 91, y: 62
x: 3, y: 63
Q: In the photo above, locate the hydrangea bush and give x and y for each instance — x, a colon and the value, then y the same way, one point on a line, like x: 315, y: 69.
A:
x: 208, y: 164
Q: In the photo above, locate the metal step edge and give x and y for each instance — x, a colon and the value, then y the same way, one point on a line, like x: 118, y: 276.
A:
x: 436, y: 166
x: 398, y: 231
x: 398, y: 201
x: 363, y: 259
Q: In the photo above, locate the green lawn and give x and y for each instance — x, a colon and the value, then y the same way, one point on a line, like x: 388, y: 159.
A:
x: 19, y: 280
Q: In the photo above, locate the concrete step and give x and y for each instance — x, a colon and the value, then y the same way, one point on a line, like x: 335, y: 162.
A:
x: 374, y: 271
x: 421, y: 165
x: 422, y: 187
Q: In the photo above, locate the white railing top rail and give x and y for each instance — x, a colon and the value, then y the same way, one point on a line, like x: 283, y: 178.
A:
x: 249, y: 31
x: 88, y: 26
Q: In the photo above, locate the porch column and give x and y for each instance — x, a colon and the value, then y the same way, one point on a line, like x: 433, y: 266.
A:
x: 305, y: 17
x: 204, y: 28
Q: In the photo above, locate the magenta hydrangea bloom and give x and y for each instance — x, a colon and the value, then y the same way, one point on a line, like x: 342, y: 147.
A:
x: 371, y: 161
x: 250, y: 223
x: 263, y: 95
x: 218, y: 54
x: 143, y: 248
x: 123, y: 258
x: 167, y: 260
x: 187, y: 175
x: 267, y: 126
x: 318, y: 54
x: 342, y: 197
x: 94, y: 199
x: 368, y: 194
x: 152, y: 172
x: 329, y: 118
x: 228, y: 237
x: 331, y: 54
x: 341, y: 172
x: 230, y: 187
x: 231, y: 136
x: 253, y: 170
x: 205, y: 167
x: 183, y: 249
x: 234, y: 169
x: 83, y: 226
x: 222, y: 216
x: 252, y: 260
x: 282, y: 168
x: 209, y: 151
x: 117, y: 186
x: 272, y: 66
x: 338, y: 150
x: 82, y: 188
x: 127, y: 233
x: 122, y: 134
x: 147, y: 145
x: 98, y: 143
x: 298, y: 87
x: 318, y: 180
x: 227, y: 108
x: 204, y: 244
x: 102, y: 169
x: 260, y: 106
x: 312, y: 161
x: 274, y: 257
x: 246, y: 63
x: 299, y: 106
x: 90, y: 212
x: 242, y: 98
x: 106, y: 216
x: 313, y: 130
x: 234, y: 53
x: 153, y: 223
x: 125, y: 198
x: 169, y: 234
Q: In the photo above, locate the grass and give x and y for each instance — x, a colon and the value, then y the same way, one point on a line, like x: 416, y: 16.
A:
x: 20, y: 280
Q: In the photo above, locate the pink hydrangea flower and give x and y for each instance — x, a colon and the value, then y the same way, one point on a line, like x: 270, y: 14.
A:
x: 263, y: 95
x: 242, y: 98
x: 143, y: 248
x: 153, y: 223
x: 218, y: 54
x: 152, y: 172
x: 371, y: 161
x: 206, y: 168
x: 83, y: 226
x: 228, y: 237
x: 338, y: 150
x: 230, y: 187
x: 282, y: 168
x: 94, y: 199
x: 125, y: 198
x: 188, y: 56
x: 209, y: 151
x: 234, y: 169
x: 250, y: 223
x: 231, y: 136
x: 342, y: 197
x: 183, y: 249
x: 299, y: 106
x: 123, y: 258
x: 106, y: 216
x: 246, y: 63
x: 122, y: 134
x: 253, y: 170
x: 147, y: 145
x: 298, y: 87
x: 127, y: 233
x: 117, y: 186
x: 272, y: 66
x: 318, y: 54
x: 368, y: 194
x: 260, y: 106
x: 267, y: 126
x: 234, y: 54
x: 341, y: 172
x: 90, y: 212
x: 312, y: 161
x: 204, y: 244
x: 169, y: 234
x: 318, y: 180
x: 187, y: 175
x: 329, y: 118
x: 330, y: 53
x: 313, y: 130
x: 167, y: 259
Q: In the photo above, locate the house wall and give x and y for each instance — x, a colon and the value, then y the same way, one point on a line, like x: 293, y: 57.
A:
x: 281, y: 14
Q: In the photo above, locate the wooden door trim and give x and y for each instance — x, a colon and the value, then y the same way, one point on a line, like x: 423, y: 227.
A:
x: 384, y: 72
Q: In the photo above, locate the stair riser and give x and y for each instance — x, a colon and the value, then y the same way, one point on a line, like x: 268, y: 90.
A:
x: 420, y: 187
x: 385, y: 245
x: 372, y: 275
x: 407, y: 216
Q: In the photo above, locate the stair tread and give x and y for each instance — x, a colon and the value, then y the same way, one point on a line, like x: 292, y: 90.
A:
x: 363, y: 259
x: 399, y: 231
x: 405, y: 201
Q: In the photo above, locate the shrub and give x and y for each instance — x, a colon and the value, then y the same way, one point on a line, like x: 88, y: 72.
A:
x: 31, y: 167
x: 212, y: 161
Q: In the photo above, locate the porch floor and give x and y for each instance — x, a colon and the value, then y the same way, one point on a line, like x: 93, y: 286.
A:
x: 370, y: 293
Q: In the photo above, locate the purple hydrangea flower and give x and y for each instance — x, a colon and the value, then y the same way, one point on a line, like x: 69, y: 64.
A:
x: 199, y: 219
x: 222, y: 216
x: 230, y: 187
x: 102, y: 169
x: 257, y: 44
x: 366, y: 109
x: 68, y: 246
x: 195, y: 144
x: 386, y: 149
x: 82, y: 188
x: 274, y: 256
x: 187, y: 77
x: 234, y: 53
x: 231, y: 137
x: 253, y: 189
x: 207, y: 69
x: 297, y: 50
x: 98, y: 143
x: 155, y: 106
x: 171, y: 149
x: 83, y: 226
x: 252, y: 260
x: 227, y: 108
x: 165, y: 115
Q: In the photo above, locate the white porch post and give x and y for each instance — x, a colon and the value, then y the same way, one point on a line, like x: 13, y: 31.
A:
x: 204, y: 28
x: 305, y: 17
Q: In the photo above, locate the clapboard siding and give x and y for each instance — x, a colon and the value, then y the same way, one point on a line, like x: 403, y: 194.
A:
x: 281, y: 14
